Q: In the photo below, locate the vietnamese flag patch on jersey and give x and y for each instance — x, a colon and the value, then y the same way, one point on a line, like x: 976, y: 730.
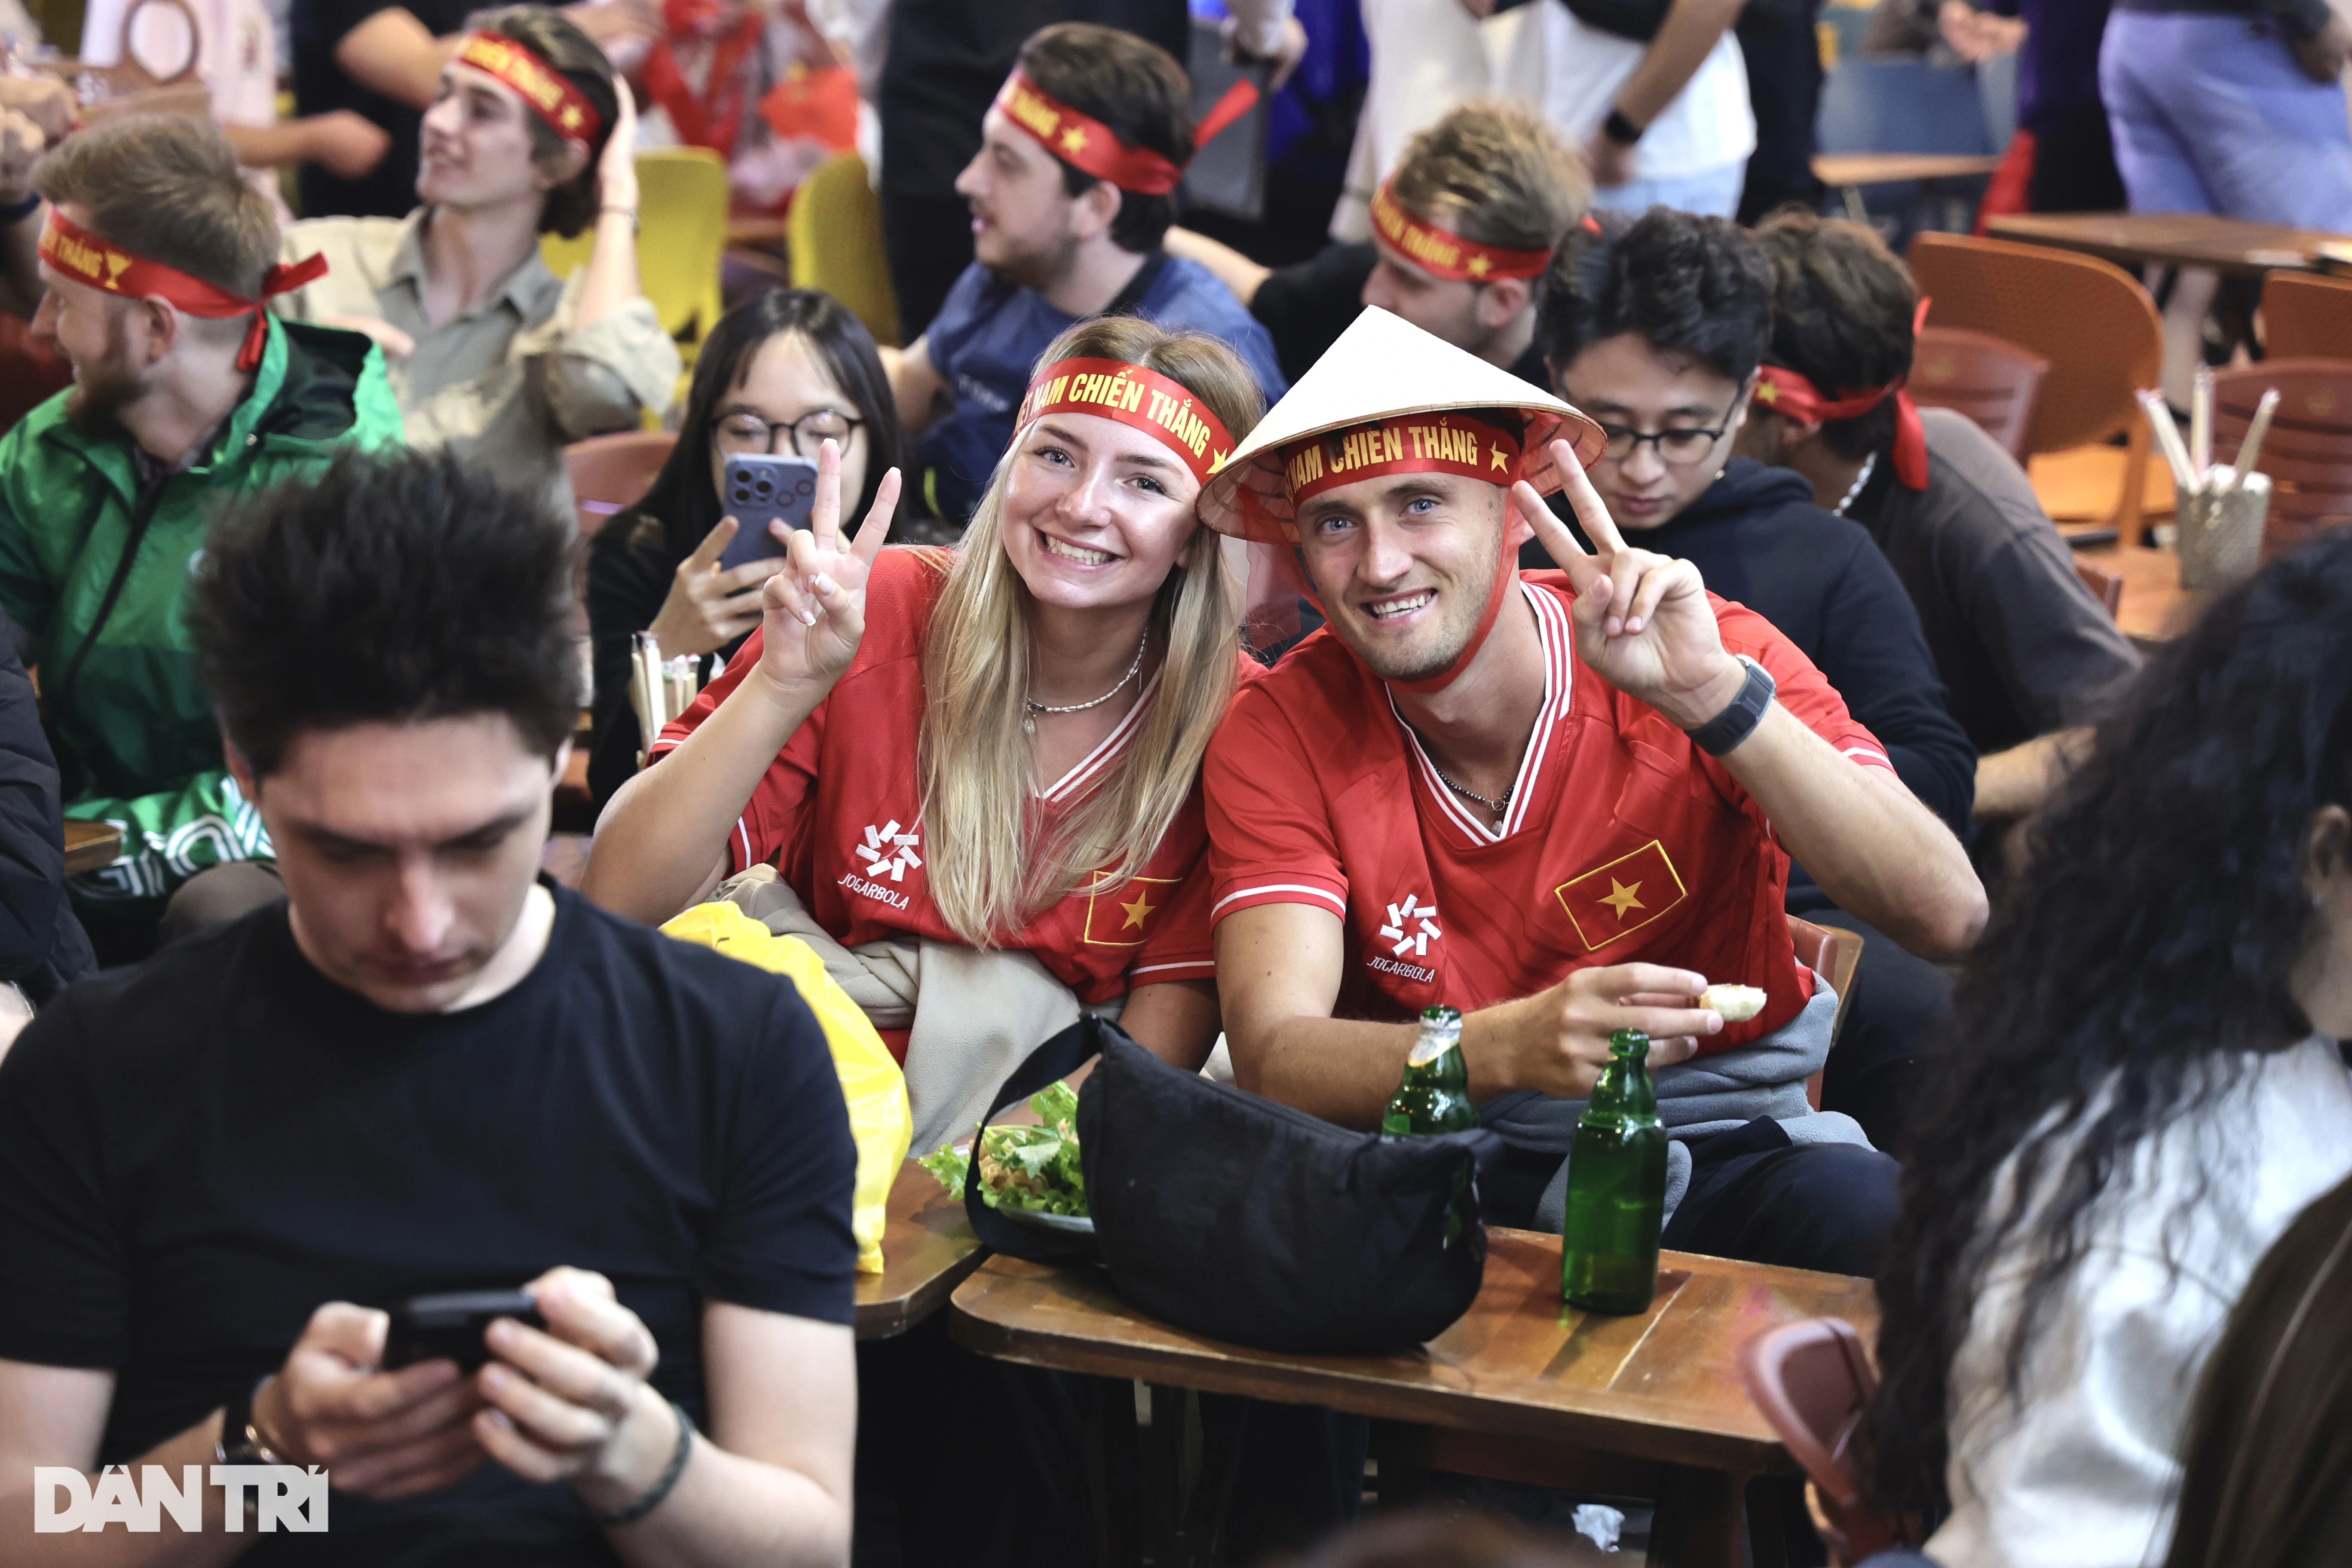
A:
x: 1628, y: 893
x: 1121, y: 915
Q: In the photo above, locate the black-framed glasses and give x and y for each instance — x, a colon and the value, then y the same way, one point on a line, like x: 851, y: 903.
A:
x: 1679, y: 448
x: 743, y: 431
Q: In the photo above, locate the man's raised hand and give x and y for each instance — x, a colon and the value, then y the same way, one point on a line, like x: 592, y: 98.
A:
x: 1643, y: 620
x: 813, y: 612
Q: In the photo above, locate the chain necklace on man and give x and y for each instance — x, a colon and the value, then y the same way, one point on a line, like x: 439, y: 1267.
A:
x: 1498, y: 807
x: 1029, y: 719
x: 1860, y: 480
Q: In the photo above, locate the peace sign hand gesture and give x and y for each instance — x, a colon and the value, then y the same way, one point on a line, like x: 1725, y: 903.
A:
x: 1643, y: 620
x: 813, y: 612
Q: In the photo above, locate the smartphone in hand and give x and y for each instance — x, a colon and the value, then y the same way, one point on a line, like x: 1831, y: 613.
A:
x: 760, y: 489
x: 428, y: 1328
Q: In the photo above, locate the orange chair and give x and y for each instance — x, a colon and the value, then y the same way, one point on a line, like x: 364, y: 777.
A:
x: 1811, y: 1382
x: 2306, y: 316
x: 2088, y: 318
x: 1990, y: 379
x: 1832, y: 954
x: 2308, y: 452
x: 612, y: 473
x: 2105, y: 587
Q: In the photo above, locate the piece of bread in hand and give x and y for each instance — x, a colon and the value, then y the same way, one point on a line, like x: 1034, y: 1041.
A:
x: 1737, y: 1004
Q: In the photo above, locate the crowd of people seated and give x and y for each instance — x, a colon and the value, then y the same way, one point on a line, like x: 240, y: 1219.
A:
x: 1527, y: 610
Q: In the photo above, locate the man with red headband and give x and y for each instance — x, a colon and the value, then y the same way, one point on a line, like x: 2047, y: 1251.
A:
x: 158, y: 258
x: 1564, y: 804
x: 1461, y: 232
x: 1657, y: 329
x: 2030, y: 659
x: 1070, y: 194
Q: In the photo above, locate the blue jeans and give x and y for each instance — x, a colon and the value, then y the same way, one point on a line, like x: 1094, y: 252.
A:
x: 1715, y: 194
x: 2211, y: 114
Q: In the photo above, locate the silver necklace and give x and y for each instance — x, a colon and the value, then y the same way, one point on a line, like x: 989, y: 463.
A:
x: 1029, y: 719
x: 1860, y: 480
x: 1498, y: 807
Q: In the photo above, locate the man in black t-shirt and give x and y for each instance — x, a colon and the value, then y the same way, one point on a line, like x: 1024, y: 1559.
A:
x: 1461, y: 232
x: 426, y: 1071
x: 383, y: 63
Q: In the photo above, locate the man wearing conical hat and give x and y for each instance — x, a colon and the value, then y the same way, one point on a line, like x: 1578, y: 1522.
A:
x: 1563, y: 802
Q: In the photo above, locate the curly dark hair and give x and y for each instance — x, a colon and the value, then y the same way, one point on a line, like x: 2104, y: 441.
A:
x: 1842, y: 317
x: 1131, y: 85
x: 2119, y: 984
x: 388, y: 588
x: 556, y: 39
x: 1684, y: 284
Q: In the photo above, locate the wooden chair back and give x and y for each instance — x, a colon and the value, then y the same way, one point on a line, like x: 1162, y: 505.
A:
x: 2308, y: 452
x: 1811, y: 1382
x: 2105, y: 587
x: 1991, y: 380
x: 2090, y: 319
x: 2306, y: 316
x: 1833, y: 954
x: 611, y: 474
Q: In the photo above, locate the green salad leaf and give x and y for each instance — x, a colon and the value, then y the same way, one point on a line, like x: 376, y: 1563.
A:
x: 1032, y: 1168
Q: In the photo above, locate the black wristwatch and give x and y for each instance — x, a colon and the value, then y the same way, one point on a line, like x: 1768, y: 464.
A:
x: 1719, y: 734
x: 1620, y: 129
x: 240, y: 1440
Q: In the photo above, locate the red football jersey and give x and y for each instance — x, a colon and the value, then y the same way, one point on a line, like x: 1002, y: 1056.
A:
x: 839, y: 815
x: 1624, y: 842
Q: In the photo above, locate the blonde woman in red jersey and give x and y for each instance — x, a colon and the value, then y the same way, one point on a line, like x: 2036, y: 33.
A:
x: 976, y: 772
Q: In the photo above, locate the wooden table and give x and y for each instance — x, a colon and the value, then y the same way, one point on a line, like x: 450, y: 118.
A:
x: 2155, y: 609
x: 1895, y: 168
x: 2173, y: 239
x: 91, y: 846
x: 927, y: 1248
x: 1523, y: 1387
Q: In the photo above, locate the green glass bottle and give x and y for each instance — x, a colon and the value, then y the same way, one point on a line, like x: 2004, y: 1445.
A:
x: 1616, y: 1188
x: 1435, y: 1094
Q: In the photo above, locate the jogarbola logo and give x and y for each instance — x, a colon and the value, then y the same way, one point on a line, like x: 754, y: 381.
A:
x: 1620, y: 896
x: 1411, y: 927
x: 1119, y: 914
x: 889, y: 852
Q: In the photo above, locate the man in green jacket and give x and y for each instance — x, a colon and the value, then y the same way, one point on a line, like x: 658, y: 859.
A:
x: 156, y: 257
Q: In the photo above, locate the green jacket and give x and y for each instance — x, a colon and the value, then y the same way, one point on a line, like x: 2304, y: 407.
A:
x: 133, y: 729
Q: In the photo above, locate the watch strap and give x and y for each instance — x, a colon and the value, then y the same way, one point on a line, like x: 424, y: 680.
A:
x: 1721, y: 734
x: 240, y: 1440
x: 1620, y: 129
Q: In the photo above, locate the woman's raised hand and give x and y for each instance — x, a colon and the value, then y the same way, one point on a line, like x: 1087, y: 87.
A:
x: 1643, y: 620
x: 813, y: 612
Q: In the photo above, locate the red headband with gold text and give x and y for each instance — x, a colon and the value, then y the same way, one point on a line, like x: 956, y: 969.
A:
x: 1408, y: 444
x: 1793, y: 395
x: 1445, y: 255
x: 1087, y: 143
x: 1149, y: 402
x: 548, y: 92
x: 80, y: 255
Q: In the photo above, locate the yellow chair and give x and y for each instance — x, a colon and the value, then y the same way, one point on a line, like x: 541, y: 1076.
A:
x: 835, y: 237
x: 682, y: 230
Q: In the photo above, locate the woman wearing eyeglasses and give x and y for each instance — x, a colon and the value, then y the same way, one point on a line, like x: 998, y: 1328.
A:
x: 780, y: 374
x: 1658, y: 327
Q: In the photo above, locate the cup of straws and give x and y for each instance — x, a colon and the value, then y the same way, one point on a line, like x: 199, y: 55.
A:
x: 2220, y: 510
x: 659, y: 689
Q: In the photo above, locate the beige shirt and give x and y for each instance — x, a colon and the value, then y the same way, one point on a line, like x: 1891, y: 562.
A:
x: 511, y: 376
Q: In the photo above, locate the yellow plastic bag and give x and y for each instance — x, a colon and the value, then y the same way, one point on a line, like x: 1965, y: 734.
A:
x: 871, y: 1080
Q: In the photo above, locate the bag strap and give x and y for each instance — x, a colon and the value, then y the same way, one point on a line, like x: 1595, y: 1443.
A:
x: 1063, y: 1053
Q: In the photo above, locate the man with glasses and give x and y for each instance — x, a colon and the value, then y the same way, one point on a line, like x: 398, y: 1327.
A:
x: 1656, y: 329
x: 1564, y: 804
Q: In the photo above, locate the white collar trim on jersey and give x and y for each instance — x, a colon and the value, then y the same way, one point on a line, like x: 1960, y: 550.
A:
x: 1557, y: 636
x: 1094, y: 761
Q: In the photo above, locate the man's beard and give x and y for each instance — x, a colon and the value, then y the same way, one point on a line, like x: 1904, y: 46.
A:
x: 1039, y: 268
x: 102, y: 391
x: 1465, y: 606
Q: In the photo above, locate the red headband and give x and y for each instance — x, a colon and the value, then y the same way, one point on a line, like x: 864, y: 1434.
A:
x: 1448, y: 443
x: 83, y: 256
x: 1087, y: 145
x: 1444, y: 254
x: 548, y: 92
x: 1785, y: 392
x: 1143, y: 399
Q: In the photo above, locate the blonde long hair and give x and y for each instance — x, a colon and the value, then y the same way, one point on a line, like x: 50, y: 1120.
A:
x: 991, y: 866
